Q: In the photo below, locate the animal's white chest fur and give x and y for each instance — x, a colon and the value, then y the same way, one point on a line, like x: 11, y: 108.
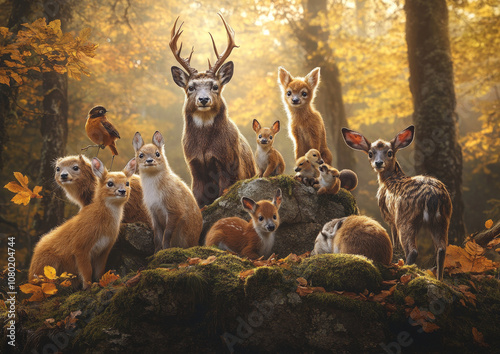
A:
x: 261, y: 158
x: 267, y: 242
x: 152, y: 190
x: 101, y: 244
x: 200, y: 122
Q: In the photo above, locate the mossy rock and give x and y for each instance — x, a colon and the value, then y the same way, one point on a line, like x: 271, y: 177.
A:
x: 265, y: 280
x: 302, y: 213
x: 341, y: 272
x: 174, y: 256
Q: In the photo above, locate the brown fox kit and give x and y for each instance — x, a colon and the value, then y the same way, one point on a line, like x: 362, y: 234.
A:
x: 406, y: 203
x: 269, y: 160
x: 306, y: 173
x: 348, y: 178
x: 82, y: 244
x: 252, y: 238
x: 74, y: 175
x: 177, y: 220
x: 305, y: 124
x: 329, y: 181
x: 355, y: 235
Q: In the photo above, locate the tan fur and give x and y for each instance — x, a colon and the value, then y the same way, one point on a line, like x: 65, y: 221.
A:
x: 329, y: 181
x: 80, y: 185
x: 406, y: 203
x: 348, y: 178
x: 177, y: 220
x: 250, y: 239
x: 82, y: 244
x: 355, y: 235
x: 306, y: 173
x: 269, y: 161
x: 306, y: 126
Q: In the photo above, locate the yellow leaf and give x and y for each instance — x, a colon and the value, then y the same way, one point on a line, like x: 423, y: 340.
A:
x: 108, y: 278
x: 84, y: 33
x: 37, y: 190
x: 66, y: 283
x: 488, y: 224
x: 5, y: 80
x: 29, y: 288
x: 21, y: 198
x: 49, y: 288
x: 49, y: 272
x: 14, y: 187
x: 23, y: 180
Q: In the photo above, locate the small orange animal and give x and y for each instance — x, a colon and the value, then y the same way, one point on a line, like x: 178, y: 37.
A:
x: 177, y: 220
x: 329, y: 181
x: 269, y: 160
x: 305, y: 123
x: 355, y: 234
x: 348, y: 178
x: 82, y: 244
x: 306, y: 173
x: 250, y: 239
x: 74, y: 174
x: 101, y: 131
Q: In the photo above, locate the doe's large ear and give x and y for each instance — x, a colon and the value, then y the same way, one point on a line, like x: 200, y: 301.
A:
x: 179, y: 76
x: 158, y: 140
x: 249, y: 205
x: 313, y: 78
x: 98, y: 168
x: 356, y: 140
x: 225, y: 73
x: 277, y: 198
x: 130, y: 168
x: 276, y: 127
x: 403, y: 139
x: 137, y: 141
x: 284, y: 77
x: 256, y: 125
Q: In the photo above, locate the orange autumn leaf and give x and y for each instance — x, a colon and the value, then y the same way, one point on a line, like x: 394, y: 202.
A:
x: 468, y: 259
x: 49, y: 272
x: 209, y: 260
x: 108, y: 278
x: 488, y: 224
x: 23, y: 193
x: 193, y: 261
x: 302, y: 281
x: 306, y: 290
x: 66, y: 283
x: 245, y: 274
x: 478, y: 337
x: 134, y: 280
x: 401, y: 262
x: 49, y: 289
x: 29, y: 288
x: 405, y: 278
x: 409, y: 301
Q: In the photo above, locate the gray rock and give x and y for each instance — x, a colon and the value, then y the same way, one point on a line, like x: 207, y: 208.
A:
x: 302, y: 214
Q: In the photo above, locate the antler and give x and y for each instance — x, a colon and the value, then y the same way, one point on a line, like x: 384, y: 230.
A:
x: 185, y: 62
x: 230, y: 46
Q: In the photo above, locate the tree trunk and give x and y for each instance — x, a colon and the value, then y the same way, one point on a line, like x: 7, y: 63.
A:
x: 54, y: 130
x: 329, y: 97
x: 437, y: 152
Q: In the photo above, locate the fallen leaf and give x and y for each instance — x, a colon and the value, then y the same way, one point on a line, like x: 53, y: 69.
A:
x: 66, y: 283
x: 49, y: 289
x: 474, y: 249
x: 488, y: 224
x: 429, y: 327
x: 245, y: 274
x: 134, y: 280
x: 390, y: 282
x: 460, y: 260
x: 193, y: 261
x: 405, y: 278
x: 302, y: 281
x: 209, y: 260
x: 478, y: 337
x: 409, y: 301
x: 493, y: 242
x: 401, y: 262
x: 108, y: 278
x: 306, y: 290
x: 49, y: 322
x: 49, y: 272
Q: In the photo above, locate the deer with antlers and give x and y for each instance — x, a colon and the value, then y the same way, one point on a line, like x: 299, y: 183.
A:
x: 216, y: 152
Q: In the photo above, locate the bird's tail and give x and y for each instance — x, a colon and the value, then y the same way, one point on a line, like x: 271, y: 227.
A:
x: 113, y: 149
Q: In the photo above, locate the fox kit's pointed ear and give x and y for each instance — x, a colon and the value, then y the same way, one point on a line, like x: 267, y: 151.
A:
x: 137, y: 142
x: 158, y: 139
x: 249, y: 205
x: 130, y: 168
x: 276, y: 127
x: 355, y: 140
x: 98, y: 168
x: 256, y: 125
x: 403, y: 139
x: 179, y: 76
x: 277, y: 198
x: 284, y: 77
x: 313, y: 78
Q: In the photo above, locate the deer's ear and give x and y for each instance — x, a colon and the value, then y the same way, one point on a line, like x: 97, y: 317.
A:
x: 179, y: 76
x: 225, y: 73
x: 137, y: 141
x: 355, y: 140
x: 130, y: 168
x: 256, y: 125
x: 276, y: 127
x: 284, y: 77
x: 404, y: 138
x: 313, y: 78
x: 249, y: 205
x: 98, y: 168
x: 158, y: 140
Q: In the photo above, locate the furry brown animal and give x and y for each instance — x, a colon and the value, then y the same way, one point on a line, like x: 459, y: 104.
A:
x: 269, y: 160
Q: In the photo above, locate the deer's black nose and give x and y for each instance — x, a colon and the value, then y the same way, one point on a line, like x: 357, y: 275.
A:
x: 295, y: 100
x: 122, y: 191
x: 321, y: 162
x: 64, y: 175
x: 379, y: 164
x: 203, y: 100
x: 297, y: 169
x: 150, y: 160
x: 271, y: 227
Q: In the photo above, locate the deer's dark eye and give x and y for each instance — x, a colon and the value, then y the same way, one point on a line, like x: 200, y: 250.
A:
x: 260, y: 136
x: 389, y: 154
x: 289, y: 93
x: 127, y: 184
x: 215, y: 87
x: 75, y: 168
x: 301, y: 164
x: 141, y: 155
x: 261, y: 218
x: 270, y: 137
x: 191, y: 88
x: 157, y: 154
x: 110, y: 184
x: 304, y: 94
x: 314, y: 155
x: 58, y: 169
x: 370, y: 154
x: 274, y: 217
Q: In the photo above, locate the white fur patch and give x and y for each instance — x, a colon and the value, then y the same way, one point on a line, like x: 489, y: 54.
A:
x: 200, y: 122
x: 101, y: 244
x: 262, y: 158
x: 224, y: 247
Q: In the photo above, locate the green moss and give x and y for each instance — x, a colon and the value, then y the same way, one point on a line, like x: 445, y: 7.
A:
x: 365, y: 309
x: 346, y: 199
x: 341, y: 272
x: 174, y: 256
x: 259, y: 285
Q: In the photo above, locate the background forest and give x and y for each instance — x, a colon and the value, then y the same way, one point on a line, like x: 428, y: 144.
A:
x: 115, y: 53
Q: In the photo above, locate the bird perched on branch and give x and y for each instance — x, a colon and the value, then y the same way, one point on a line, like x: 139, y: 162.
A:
x: 101, y: 131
